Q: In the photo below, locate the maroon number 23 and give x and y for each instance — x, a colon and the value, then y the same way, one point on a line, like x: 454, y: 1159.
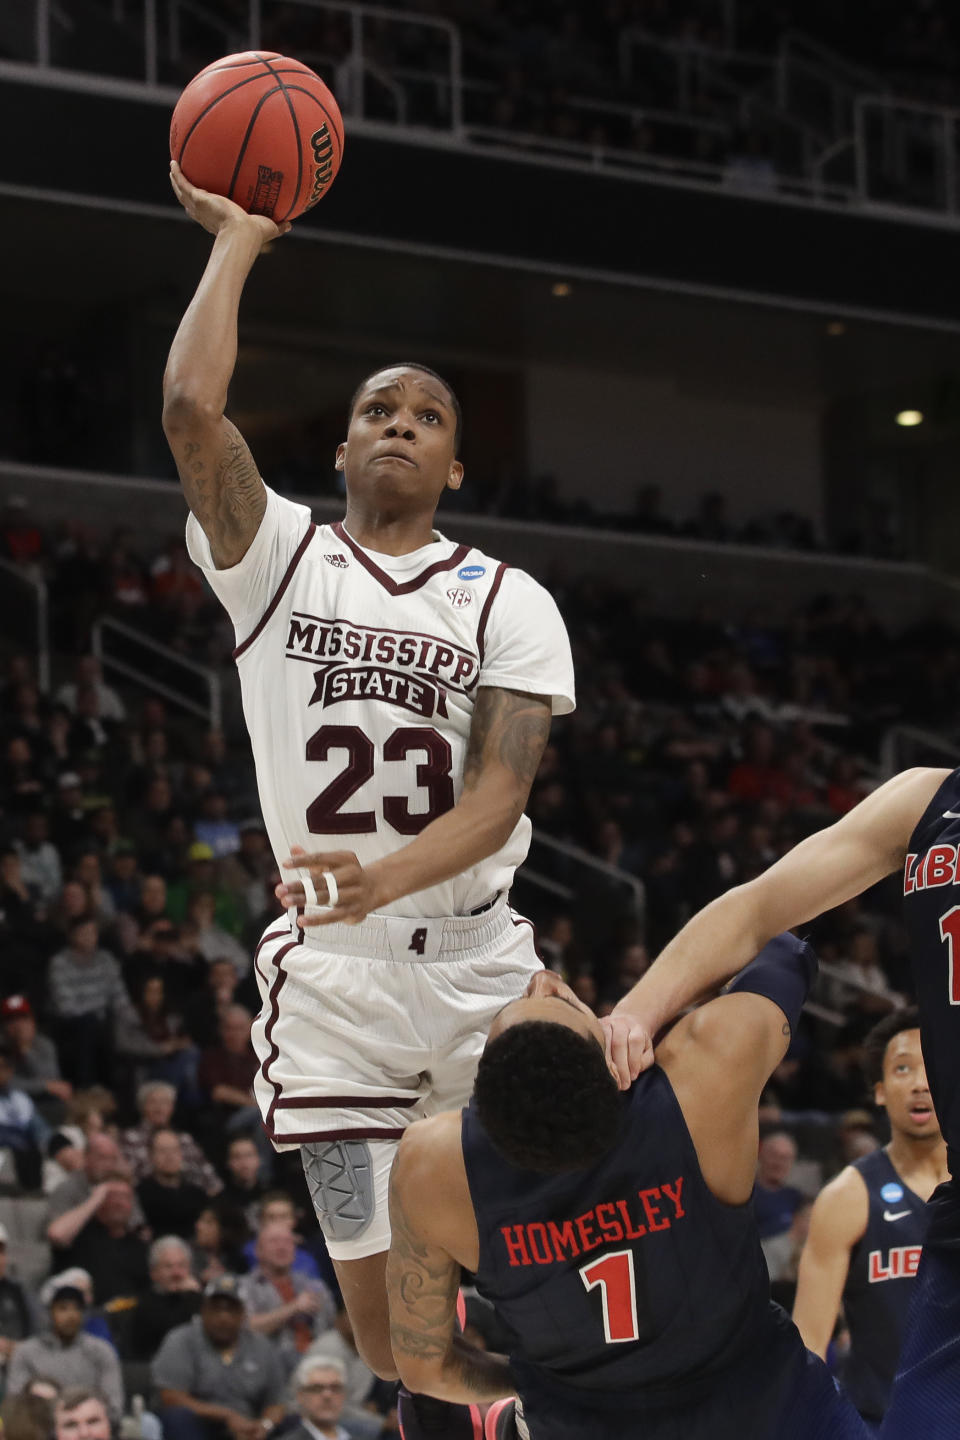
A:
x: 326, y: 815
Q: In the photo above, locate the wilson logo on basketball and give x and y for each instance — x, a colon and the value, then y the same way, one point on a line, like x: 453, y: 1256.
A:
x: 459, y: 598
x: 322, y: 145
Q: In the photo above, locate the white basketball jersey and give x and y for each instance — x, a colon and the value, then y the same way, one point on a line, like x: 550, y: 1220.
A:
x: 359, y: 673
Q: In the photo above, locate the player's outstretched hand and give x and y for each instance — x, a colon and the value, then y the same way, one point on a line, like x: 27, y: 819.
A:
x: 213, y: 212
x: 629, y: 1047
x: 337, y: 881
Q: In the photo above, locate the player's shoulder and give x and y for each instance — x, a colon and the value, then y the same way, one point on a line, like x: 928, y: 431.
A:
x: 426, y: 1145
x: 842, y: 1208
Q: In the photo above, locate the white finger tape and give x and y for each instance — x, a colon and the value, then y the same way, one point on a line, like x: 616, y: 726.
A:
x: 309, y: 890
x: 333, y: 894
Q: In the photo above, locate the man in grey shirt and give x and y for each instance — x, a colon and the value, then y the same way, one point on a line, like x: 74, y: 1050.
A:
x: 291, y: 1309
x: 214, y: 1377
x: 36, y: 1069
x: 76, y: 1200
x: 66, y: 1355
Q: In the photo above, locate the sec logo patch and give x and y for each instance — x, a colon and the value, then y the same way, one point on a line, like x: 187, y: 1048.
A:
x: 459, y: 598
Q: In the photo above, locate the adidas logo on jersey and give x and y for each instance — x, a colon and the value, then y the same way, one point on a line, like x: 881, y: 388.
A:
x: 340, y: 562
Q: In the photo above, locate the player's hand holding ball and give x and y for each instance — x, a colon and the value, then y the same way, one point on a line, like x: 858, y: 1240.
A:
x: 629, y: 1046
x: 214, y: 212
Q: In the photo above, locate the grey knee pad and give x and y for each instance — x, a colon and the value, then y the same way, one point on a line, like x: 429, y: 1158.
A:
x: 339, y: 1177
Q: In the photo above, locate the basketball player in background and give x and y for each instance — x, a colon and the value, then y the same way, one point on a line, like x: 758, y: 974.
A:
x: 868, y: 1225
x: 398, y: 689
x: 910, y: 824
x: 613, y: 1234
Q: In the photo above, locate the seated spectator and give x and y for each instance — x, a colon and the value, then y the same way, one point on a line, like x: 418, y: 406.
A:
x: 868, y: 990
x: 218, y: 1239
x: 40, y: 864
x: 246, y: 873
x: 278, y: 1208
x: 226, y: 1074
x: 319, y: 1386
x: 173, y: 1298
x: 213, y: 942
x: 123, y: 878
x: 19, y: 1317
x: 86, y: 991
x: 288, y: 1308
x: 169, y: 1201
x: 23, y: 1131
x: 338, y: 1344
x: 64, y: 1158
x: 155, y: 1101
x: 81, y: 1414
x: 774, y: 1201
x: 202, y: 875
x: 26, y: 1417
x: 153, y: 1039
x: 36, y: 1068
x: 205, y: 1010
x: 214, y: 826
x: 95, y: 1323
x: 66, y: 1355
x: 74, y: 1202
x: 216, y: 1373
x: 108, y: 1246
x: 243, y: 1186
x: 89, y: 672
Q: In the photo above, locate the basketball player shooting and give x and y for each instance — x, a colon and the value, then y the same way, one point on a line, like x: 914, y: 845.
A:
x: 398, y: 690
x: 911, y: 824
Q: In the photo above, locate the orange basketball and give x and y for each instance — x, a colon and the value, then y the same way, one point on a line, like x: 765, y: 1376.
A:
x: 261, y: 129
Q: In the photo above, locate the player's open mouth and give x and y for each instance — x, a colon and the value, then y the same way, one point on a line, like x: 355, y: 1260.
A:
x: 920, y: 1113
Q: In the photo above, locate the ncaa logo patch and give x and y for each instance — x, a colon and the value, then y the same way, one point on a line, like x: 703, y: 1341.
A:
x: 339, y: 562
x: 471, y: 572
x: 891, y: 1193
x: 459, y: 598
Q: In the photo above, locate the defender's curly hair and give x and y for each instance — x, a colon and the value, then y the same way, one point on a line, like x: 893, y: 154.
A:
x: 876, y: 1042
x: 546, y: 1099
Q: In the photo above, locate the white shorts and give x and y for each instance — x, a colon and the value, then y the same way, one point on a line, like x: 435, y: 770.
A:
x: 366, y: 1028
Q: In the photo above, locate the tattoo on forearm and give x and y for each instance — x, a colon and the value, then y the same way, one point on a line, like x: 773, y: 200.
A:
x: 510, y: 727
x: 422, y: 1282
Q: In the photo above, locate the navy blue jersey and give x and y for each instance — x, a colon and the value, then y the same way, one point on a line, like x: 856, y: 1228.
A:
x: 880, y: 1283
x: 629, y: 1284
x: 931, y: 906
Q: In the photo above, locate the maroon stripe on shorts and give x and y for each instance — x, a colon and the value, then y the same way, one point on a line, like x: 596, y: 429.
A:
x: 308, y: 1137
x: 349, y: 1102
x: 274, y: 998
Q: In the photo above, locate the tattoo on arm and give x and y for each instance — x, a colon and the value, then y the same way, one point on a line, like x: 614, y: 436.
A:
x: 510, y: 729
x: 422, y: 1284
x: 223, y: 488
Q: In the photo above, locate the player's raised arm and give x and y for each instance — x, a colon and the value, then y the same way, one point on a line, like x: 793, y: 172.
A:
x: 217, y: 471
x: 837, y: 1221
x: 821, y: 872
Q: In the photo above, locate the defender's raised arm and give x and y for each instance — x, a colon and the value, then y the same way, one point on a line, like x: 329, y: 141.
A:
x: 821, y: 872
x: 217, y: 471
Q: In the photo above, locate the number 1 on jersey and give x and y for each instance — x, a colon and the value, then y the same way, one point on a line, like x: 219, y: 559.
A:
x: 950, y: 932
x: 618, y: 1290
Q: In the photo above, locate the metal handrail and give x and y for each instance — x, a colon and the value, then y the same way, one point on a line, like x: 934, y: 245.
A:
x: 928, y: 739
x: 212, y: 712
x: 41, y: 595
x: 603, y: 867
